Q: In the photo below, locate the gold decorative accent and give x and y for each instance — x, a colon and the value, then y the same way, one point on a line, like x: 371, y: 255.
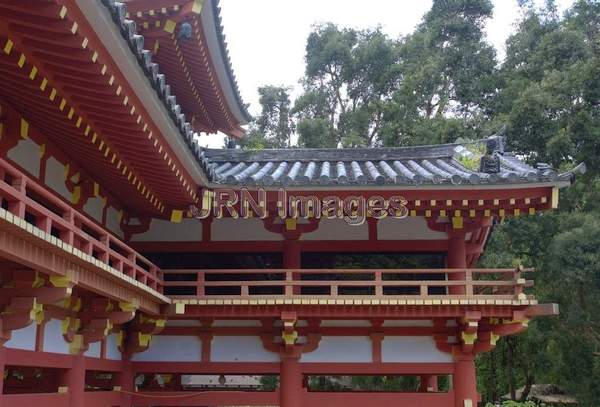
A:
x: 469, y: 338
x: 554, y: 204
x: 170, y: 26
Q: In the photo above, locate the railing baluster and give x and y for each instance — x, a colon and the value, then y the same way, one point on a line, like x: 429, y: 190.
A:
x: 469, y: 282
x: 68, y: 236
x: 289, y: 287
x: 379, y: 283
x: 200, y: 288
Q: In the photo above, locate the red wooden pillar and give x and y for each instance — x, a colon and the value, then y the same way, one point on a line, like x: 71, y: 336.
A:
x: 428, y: 383
x: 2, y: 366
x: 465, y: 381
x: 292, y: 259
x: 126, y: 383
x: 74, y: 380
x: 456, y: 259
x: 290, y: 381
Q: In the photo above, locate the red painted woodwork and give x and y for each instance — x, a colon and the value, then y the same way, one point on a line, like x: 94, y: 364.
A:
x: 74, y: 380
x: 188, y: 65
x: 206, y: 398
x: 126, y: 379
x: 2, y: 365
x: 465, y: 381
x: 364, y: 311
x: 74, y: 228
x: 35, y: 399
x: 75, y: 74
x: 102, y: 399
x: 473, y: 284
x: 291, y: 390
x: 457, y: 258
x: 356, y: 399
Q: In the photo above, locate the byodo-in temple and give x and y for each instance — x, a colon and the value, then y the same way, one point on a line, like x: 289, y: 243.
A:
x: 122, y: 285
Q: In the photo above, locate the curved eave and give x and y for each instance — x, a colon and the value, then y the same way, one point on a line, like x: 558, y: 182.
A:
x: 213, y: 32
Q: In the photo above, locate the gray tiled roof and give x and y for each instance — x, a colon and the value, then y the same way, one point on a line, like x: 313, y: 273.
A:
x: 439, y: 164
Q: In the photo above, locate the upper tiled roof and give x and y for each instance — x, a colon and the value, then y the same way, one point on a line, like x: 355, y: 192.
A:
x: 435, y: 165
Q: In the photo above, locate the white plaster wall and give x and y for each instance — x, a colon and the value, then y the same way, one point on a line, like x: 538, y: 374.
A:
x: 189, y: 230
x: 415, y: 349
x: 53, y: 338
x: 112, y: 348
x: 23, y: 338
x: 113, y: 221
x: 341, y: 349
x: 337, y: 229
x: 227, y: 229
x: 409, y: 228
x: 408, y: 322
x: 240, y: 349
x: 183, y: 322
x: 171, y: 348
x: 55, y: 178
x: 27, y: 154
x: 236, y: 323
x: 93, y: 207
x: 93, y: 350
x: 346, y: 322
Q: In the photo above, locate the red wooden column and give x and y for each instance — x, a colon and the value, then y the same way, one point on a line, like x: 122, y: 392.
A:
x: 74, y: 380
x: 292, y: 259
x: 2, y: 366
x: 465, y: 381
x: 456, y: 259
x: 290, y: 381
x: 126, y: 383
x: 428, y: 383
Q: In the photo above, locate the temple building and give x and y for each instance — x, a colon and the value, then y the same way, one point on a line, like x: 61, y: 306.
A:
x: 139, y: 269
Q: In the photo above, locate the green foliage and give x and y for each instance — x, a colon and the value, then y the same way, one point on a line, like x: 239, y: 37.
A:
x: 274, y: 127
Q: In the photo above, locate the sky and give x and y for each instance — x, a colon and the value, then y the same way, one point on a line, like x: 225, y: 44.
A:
x: 267, y: 38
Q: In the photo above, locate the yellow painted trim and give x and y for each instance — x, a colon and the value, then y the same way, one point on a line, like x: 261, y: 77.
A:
x: 197, y: 7
x: 43, y: 84
x: 176, y: 215
x: 170, y: 26
x: 179, y: 308
x: 33, y: 73
x: 290, y: 224
x: 63, y: 12
x: 60, y: 281
x: 76, y: 195
x: 457, y: 223
x: 8, y: 46
x: 554, y: 198
x: 24, y: 129
x: 22, y: 60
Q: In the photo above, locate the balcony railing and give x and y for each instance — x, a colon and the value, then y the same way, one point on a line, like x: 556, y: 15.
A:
x: 29, y: 201
x: 409, y: 284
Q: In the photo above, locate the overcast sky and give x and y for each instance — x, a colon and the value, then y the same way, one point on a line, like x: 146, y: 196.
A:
x: 267, y: 38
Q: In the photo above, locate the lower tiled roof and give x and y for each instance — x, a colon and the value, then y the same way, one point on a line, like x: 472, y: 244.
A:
x: 440, y: 164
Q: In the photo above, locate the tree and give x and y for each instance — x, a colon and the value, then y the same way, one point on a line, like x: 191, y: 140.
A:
x: 448, y: 76
x: 350, y: 75
x: 274, y: 127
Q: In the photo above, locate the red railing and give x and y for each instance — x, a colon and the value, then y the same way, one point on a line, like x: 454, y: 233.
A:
x: 501, y: 284
x: 28, y: 200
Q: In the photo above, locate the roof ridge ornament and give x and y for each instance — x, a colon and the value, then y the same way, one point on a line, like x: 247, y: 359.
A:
x: 494, y: 146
